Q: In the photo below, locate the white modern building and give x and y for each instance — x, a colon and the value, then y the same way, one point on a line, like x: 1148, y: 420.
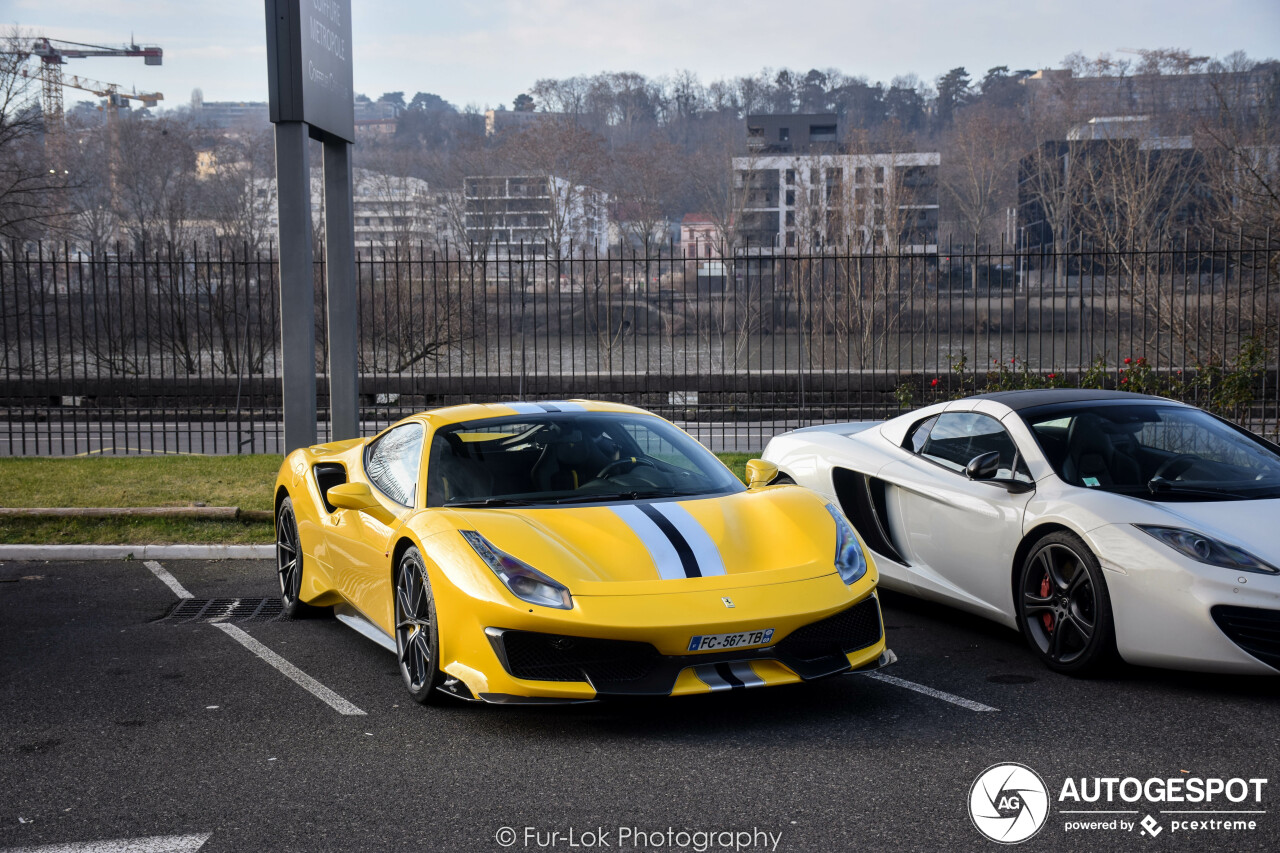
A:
x: 506, y: 215
x: 812, y: 201
x: 389, y: 209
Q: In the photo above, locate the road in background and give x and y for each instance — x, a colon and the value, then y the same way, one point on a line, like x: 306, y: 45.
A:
x: 147, y: 438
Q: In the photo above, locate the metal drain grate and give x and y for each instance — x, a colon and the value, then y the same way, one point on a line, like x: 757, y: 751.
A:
x: 225, y: 610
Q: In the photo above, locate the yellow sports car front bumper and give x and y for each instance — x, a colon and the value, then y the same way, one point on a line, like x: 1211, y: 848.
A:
x: 628, y: 645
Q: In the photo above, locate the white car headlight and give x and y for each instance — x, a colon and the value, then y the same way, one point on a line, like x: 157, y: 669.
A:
x: 851, y: 563
x: 1207, y: 550
x: 525, y: 582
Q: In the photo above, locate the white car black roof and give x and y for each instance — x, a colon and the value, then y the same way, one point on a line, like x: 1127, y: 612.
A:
x: 1019, y: 400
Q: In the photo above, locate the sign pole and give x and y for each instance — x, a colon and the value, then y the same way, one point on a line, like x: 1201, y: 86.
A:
x: 297, y: 287
x: 309, y: 75
x: 340, y: 287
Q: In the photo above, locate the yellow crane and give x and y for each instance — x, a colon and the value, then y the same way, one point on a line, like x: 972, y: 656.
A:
x: 54, y: 53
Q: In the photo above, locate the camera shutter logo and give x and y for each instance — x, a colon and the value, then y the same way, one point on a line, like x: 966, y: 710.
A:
x: 1008, y: 803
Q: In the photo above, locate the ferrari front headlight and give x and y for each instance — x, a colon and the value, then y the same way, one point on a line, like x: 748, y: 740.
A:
x: 525, y: 582
x: 851, y: 563
x: 1205, y: 549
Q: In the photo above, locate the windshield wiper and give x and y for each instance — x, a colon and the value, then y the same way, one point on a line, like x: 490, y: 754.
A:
x: 489, y: 502
x: 626, y: 496
x: 1161, y: 486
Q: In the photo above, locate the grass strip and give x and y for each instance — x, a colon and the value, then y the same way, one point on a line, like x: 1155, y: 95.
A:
x: 147, y: 481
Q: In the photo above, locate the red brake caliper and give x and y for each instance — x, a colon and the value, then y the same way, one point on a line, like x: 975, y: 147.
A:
x: 1046, y: 618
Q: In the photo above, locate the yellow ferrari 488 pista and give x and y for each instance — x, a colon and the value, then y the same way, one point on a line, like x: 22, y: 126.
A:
x: 572, y: 550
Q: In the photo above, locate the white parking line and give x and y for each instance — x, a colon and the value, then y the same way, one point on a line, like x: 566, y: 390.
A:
x: 168, y: 579
x: 929, y: 691
x: 333, y: 700
x: 151, y: 844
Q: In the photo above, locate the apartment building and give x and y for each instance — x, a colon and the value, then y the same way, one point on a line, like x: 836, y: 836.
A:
x: 505, y: 215
x: 389, y: 210
x: 498, y: 121
x: 1107, y: 169
x: 1173, y: 101
x: 862, y: 202
x: 793, y: 133
x: 700, y: 237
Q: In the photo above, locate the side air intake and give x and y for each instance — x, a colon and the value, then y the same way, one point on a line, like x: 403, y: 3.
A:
x: 863, y: 501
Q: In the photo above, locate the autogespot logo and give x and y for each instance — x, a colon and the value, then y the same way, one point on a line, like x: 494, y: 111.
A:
x: 1008, y: 803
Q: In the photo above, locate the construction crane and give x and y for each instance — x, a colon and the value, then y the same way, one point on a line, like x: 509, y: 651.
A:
x: 54, y: 54
x: 111, y: 91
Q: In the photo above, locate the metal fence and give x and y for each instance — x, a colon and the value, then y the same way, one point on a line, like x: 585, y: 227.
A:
x: 178, y: 351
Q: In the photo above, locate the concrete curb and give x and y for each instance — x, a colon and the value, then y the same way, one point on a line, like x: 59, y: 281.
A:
x: 221, y: 513
x: 137, y: 552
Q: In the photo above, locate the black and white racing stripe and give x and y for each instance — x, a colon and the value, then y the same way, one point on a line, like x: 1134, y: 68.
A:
x: 547, y: 406
x: 678, y: 544
x: 728, y: 676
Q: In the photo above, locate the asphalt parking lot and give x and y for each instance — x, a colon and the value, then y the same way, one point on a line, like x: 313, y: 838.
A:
x: 276, y: 735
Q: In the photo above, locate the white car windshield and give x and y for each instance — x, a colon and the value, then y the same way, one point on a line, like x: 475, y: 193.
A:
x: 1155, y: 451
x: 567, y: 458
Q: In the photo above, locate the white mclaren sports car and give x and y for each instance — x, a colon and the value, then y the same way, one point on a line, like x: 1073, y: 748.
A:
x: 1094, y: 522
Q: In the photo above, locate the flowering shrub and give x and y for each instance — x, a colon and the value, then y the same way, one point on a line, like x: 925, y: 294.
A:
x: 1225, y: 388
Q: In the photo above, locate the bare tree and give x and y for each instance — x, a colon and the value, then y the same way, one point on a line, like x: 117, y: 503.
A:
x: 979, y: 171
x: 872, y: 286
x: 572, y: 160
x: 1137, y: 192
x: 417, y: 314
x: 723, y: 191
x: 31, y: 182
x: 399, y: 204
x: 645, y: 179
x: 1239, y: 135
x: 240, y: 190
x: 158, y: 188
x: 94, y: 221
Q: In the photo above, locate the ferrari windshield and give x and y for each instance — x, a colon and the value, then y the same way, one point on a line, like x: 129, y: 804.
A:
x: 569, y: 458
x: 1154, y: 451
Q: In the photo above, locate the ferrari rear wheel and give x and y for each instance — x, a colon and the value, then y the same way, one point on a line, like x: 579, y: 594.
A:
x: 1063, y: 607
x: 289, y: 564
x: 417, y: 636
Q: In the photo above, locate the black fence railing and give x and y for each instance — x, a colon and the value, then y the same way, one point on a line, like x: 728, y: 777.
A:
x: 178, y: 351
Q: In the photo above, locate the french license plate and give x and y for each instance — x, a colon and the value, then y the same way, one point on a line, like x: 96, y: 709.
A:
x: 740, y: 640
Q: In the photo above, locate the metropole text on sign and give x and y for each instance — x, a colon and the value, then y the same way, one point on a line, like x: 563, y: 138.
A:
x: 309, y: 65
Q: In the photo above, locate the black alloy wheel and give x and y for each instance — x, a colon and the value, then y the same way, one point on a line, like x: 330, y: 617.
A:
x: 1063, y: 607
x: 417, y: 637
x: 289, y: 564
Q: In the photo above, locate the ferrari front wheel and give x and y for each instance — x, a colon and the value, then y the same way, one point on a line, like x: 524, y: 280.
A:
x: 1063, y: 607
x: 289, y: 563
x: 417, y: 636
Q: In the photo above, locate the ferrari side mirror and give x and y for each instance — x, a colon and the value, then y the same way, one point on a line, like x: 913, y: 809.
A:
x: 983, y: 467
x: 359, y: 496
x: 760, y: 473
x: 352, y: 496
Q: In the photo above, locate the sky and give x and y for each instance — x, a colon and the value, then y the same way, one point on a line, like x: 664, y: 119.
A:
x: 485, y: 52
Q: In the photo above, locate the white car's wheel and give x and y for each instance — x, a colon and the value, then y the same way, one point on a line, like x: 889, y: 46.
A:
x: 1063, y: 607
